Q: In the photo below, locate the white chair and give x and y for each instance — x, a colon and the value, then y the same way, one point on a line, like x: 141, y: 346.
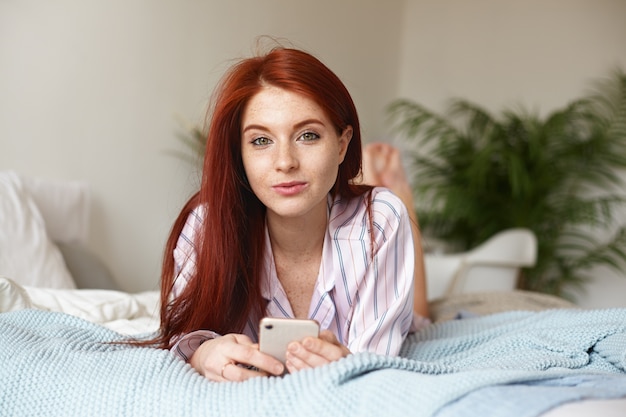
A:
x: 492, y: 266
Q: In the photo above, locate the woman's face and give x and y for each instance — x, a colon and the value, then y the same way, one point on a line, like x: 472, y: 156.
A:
x: 291, y: 152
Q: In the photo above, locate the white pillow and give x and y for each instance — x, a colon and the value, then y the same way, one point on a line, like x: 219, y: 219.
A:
x: 27, y: 255
x: 64, y: 207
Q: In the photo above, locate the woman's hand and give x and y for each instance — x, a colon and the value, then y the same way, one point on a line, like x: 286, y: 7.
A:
x: 231, y: 358
x: 315, y: 351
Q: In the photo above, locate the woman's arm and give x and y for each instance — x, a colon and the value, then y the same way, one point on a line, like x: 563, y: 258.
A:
x: 382, y: 166
x: 379, y: 283
x: 232, y: 357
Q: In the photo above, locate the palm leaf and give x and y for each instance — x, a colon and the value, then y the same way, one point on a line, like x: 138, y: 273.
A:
x: 476, y: 173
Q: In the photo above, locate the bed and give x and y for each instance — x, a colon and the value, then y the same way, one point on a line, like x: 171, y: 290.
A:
x: 63, y: 323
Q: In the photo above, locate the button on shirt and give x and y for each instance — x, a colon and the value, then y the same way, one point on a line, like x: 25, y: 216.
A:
x: 365, y: 300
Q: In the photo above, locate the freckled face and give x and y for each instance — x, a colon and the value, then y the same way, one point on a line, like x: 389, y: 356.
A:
x: 291, y: 152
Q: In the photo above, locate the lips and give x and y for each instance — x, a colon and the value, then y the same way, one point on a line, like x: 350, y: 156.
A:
x: 289, y: 188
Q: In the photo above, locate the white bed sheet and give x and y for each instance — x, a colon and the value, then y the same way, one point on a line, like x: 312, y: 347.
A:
x: 125, y: 313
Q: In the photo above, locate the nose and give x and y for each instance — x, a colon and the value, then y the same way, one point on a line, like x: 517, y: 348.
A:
x: 286, y: 157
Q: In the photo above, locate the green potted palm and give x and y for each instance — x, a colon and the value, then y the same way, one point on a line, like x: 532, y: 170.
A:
x: 560, y: 175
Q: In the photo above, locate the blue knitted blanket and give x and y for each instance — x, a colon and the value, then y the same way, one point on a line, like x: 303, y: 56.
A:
x: 56, y: 364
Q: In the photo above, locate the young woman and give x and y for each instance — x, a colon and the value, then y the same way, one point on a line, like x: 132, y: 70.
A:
x: 280, y: 228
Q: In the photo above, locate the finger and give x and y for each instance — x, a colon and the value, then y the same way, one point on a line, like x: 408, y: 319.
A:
x: 232, y: 371
x: 251, y: 357
x: 316, y: 351
x: 238, y: 373
x: 297, y: 358
x: 332, y: 342
x: 214, y: 359
x: 294, y: 363
x: 329, y: 337
x: 241, y: 339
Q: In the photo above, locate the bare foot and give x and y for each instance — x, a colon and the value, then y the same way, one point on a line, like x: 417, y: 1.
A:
x: 382, y: 166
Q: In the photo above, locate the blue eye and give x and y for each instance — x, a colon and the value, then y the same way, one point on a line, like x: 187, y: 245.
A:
x: 308, y: 136
x: 262, y: 141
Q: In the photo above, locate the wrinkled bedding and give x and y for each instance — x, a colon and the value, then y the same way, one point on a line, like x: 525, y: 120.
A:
x: 125, y: 313
x: 55, y: 363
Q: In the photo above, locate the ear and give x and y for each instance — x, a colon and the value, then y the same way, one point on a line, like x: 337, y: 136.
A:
x: 344, y: 141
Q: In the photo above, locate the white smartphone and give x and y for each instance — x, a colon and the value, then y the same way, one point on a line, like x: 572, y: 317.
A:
x: 276, y: 333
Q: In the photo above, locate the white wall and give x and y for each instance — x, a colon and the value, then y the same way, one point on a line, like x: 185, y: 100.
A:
x: 90, y: 89
x: 498, y: 53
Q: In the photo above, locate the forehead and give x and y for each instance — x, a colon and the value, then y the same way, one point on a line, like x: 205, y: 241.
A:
x: 273, y: 104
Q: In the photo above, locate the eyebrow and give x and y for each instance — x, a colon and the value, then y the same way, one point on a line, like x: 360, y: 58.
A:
x: 296, y: 126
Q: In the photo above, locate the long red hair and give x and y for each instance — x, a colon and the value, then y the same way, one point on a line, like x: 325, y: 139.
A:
x: 225, y: 290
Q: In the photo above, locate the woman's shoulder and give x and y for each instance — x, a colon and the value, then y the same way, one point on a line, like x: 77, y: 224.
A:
x: 379, y: 196
x: 386, y: 208
x: 193, y: 224
x: 385, y: 200
x: 197, y: 214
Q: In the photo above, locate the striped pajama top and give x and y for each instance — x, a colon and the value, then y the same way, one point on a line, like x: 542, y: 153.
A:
x: 365, y: 300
